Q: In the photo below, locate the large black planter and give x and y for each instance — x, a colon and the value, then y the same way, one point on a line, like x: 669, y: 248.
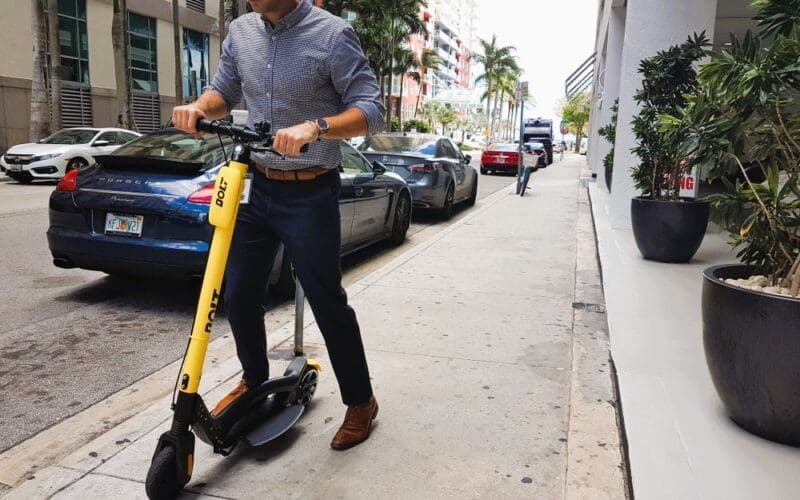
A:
x: 752, y: 344
x: 668, y: 231
x: 609, y: 178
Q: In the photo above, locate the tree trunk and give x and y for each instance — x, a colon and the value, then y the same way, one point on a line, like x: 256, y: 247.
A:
x: 176, y: 44
x: 400, y: 102
x: 391, y: 71
x: 423, y: 72
x: 223, y: 17
x: 578, y: 134
x: 489, y: 105
x: 40, y: 114
x: 54, y: 44
x: 119, y: 41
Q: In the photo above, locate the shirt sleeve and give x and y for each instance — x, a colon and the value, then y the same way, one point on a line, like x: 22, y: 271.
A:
x: 354, y: 80
x: 227, y: 82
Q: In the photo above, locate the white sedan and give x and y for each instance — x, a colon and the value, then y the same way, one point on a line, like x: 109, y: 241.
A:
x: 67, y: 149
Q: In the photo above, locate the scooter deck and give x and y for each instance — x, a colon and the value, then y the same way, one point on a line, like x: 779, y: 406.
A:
x: 278, y: 423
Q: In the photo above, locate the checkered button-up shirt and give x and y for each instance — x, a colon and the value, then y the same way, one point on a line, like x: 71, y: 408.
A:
x: 309, y: 65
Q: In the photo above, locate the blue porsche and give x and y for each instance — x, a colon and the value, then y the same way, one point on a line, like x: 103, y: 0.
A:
x: 143, y: 210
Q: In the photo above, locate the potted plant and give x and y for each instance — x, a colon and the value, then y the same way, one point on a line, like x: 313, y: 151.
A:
x: 609, y: 133
x: 666, y: 227
x: 747, y: 114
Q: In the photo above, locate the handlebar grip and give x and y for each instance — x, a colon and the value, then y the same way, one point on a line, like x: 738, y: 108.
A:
x: 204, y: 125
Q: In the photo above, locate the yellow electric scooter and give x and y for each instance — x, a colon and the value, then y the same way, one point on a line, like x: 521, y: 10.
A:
x: 263, y: 413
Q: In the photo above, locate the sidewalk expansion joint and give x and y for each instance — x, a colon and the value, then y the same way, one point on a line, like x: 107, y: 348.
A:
x: 459, y: 358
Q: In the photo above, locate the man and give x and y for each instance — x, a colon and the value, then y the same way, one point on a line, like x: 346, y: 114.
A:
x: 301, y: 69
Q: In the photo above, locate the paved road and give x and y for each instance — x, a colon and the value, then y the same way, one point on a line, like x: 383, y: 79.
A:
x: 69, y: 338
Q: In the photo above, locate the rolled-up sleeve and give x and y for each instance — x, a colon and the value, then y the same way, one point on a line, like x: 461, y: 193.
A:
x: 227, y: 81
x: 354, y: 80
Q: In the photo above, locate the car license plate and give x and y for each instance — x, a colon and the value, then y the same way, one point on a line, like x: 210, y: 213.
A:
x: 124, y: 225
x: 15, y: 168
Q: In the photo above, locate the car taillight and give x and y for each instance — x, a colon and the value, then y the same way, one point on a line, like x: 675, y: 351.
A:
x: 203, y: 195
x: 69, y: 182
x: 427, y: 168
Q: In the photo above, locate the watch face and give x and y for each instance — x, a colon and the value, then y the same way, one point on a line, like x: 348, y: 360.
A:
x: 323, y: 124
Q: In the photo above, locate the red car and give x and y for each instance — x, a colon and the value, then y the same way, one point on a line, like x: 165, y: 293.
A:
x: 503, y: 157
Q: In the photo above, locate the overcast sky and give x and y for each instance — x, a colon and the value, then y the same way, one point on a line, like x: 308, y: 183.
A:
x: 552, y: 38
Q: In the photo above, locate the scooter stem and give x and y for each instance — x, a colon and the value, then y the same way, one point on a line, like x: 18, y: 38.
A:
x: 222, y: 215
x: 299, y: 307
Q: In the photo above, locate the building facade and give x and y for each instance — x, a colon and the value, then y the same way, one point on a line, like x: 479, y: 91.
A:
x: 452, y: 32
x: 627, y: 32
x: 87, y: 60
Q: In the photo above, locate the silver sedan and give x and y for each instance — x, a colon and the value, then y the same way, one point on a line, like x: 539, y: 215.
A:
x: 438, y: 174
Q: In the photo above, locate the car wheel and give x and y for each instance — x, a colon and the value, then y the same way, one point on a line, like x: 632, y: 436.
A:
x: 76, y: 163
x: 447, y: 209
x: 284, y: 288
x: 402, y: 219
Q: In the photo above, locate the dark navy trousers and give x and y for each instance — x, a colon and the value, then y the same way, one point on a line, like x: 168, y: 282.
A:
x: 304, y: 216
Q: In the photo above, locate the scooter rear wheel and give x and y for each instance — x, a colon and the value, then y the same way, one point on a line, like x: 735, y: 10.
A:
x: 162, y: 478
x: 307, y: 386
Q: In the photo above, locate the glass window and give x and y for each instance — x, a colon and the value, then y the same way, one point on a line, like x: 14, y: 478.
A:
x: 71, y: 136
x: 195, y: 63
x: 111, y: 137
x: 142, y: 49
x: 449, y: 150
x: 73, y: 41
x: 400, y: 144
x: 178, y: 146
x: 352, y: 162
x: 126, y: 137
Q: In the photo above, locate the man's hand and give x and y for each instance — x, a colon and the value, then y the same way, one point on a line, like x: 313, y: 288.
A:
x: 288, y: 141
x: 185, y: 117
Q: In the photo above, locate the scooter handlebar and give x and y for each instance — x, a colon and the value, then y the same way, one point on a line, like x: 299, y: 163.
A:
x: 244, y: 134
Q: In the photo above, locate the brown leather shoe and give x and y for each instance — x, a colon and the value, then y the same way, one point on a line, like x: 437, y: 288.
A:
x: 357, y: 425
x: 237, y: 392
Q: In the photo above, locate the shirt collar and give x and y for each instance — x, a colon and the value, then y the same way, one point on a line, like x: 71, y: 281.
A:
x: 291, y: 19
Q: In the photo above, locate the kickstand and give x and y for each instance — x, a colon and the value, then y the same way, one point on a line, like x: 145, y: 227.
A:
x: 299, y: 308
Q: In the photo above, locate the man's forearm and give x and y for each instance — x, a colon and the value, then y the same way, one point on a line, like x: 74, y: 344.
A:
x: 212, y: 105
x: 350, y: 123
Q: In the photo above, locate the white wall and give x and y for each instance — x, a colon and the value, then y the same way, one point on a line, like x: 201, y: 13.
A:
x: 650, y: 26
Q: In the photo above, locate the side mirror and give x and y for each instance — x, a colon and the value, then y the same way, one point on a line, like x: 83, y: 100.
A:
x: 98, y: 144
x: 378, y: 168
x: 468, y: 158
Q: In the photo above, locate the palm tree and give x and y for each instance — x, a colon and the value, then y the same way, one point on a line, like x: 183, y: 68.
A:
x: 404, y: 21
x: 54, y: 44
x: 119, y: 40
x: 405, y: 61
x: 430, y: 60
x: 40, y: 114
x: 493, y: 59
x: 335, y: 7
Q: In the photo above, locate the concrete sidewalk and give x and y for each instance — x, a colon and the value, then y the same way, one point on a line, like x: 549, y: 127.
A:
x: 489, y: 355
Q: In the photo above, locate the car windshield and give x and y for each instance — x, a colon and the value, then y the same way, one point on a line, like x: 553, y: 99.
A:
x: 503, y: 147
x: 178, y: 146
x: 80, y: 136
x: 399, y: 144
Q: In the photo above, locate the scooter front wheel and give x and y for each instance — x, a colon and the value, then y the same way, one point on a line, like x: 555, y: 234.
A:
x: 162, y: 478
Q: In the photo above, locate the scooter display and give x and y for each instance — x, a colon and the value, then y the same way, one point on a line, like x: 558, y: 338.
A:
x: 264, y: 412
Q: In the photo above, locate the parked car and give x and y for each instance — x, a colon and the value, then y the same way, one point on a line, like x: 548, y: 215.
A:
x: 438, y: 174
x: 67, y: 149
x: 143, y: 210
x: 538, y: 149
x: 504, y: 157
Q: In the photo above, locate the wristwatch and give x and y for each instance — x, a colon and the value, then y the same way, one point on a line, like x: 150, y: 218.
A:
x: 322, y: 126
